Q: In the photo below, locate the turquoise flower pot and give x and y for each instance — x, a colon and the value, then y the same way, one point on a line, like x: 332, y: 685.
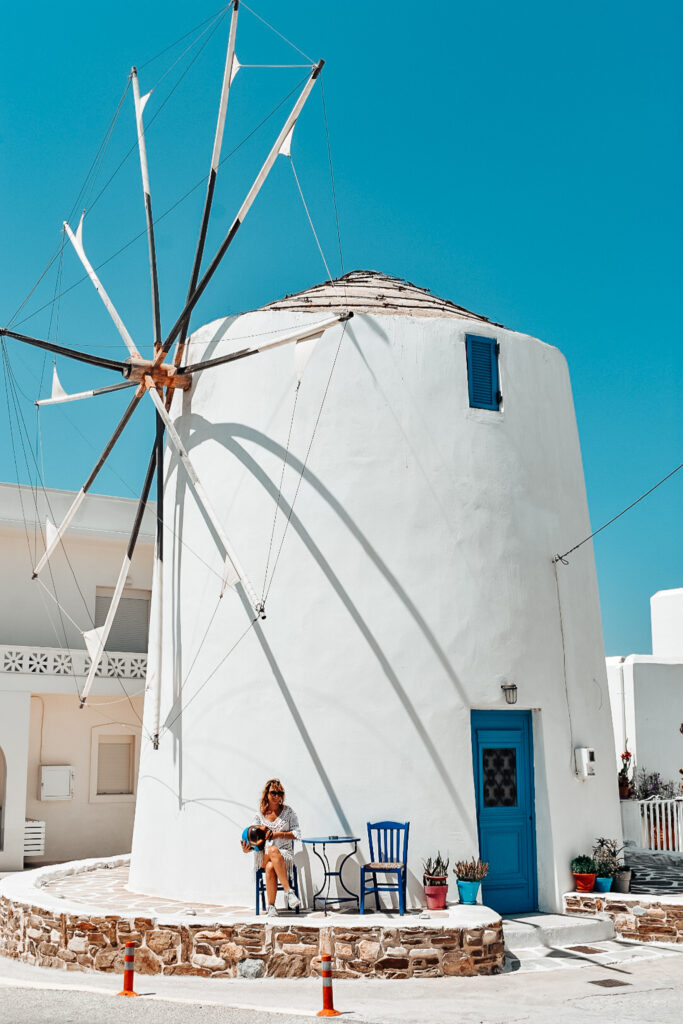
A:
x: 602, y: 885
x: 467, y: 891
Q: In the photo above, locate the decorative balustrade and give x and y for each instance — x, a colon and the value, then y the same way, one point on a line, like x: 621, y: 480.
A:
x: 64, y: 662
x: 654, y: 824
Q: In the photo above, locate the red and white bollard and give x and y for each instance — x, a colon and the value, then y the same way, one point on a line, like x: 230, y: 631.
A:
x: 128, y: 970
x: 328, y: 1009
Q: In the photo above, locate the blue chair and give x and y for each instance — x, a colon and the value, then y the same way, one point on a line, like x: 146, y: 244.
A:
x: 391, y: 844
x: 261, y: 888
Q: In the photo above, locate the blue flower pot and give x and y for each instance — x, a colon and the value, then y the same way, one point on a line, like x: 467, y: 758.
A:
x: 602, y: 885
x: 467, y: 891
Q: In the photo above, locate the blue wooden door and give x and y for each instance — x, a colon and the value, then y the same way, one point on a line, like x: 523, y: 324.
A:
x: 502, y: 747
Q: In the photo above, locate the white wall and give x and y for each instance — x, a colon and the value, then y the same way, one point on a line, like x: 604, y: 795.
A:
x: 95, y: 545
x: 79, y: 827
x: 14, y: 722
x: 95, y: 542
x: 666, y: 613
x: 415, y: 577
x: 652, y: 710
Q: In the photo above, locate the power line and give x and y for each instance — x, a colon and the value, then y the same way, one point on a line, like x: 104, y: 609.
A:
x: 563, y: 558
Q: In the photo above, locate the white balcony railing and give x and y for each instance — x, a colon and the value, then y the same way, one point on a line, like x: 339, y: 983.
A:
x: 55, y: 661
x: 654, y: 824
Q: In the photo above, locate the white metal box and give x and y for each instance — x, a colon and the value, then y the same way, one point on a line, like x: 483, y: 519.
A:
x: 584, y: 759
x: 56, y: 782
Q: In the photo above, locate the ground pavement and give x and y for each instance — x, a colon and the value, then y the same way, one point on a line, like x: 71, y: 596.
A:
x: 616, y: 982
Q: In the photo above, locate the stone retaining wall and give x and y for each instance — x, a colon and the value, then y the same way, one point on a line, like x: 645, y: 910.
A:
x: 655, y: 921
x: 281, y: 949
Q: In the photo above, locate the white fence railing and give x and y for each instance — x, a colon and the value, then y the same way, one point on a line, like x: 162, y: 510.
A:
x: 654, y: 824
x: 39, y: 661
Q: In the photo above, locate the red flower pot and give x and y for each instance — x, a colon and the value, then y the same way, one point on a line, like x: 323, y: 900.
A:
x: 436, y: 896
x: 584, y: 882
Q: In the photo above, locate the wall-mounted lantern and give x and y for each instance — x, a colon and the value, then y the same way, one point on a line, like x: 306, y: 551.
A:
x: 510, y: 691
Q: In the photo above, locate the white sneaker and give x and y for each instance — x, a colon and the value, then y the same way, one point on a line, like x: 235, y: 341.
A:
x: 271, y: 912
x: 293, y: 900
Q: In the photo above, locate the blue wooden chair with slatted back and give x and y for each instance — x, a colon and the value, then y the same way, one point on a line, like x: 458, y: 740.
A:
x: 388, y: 842
x: 261, y: 887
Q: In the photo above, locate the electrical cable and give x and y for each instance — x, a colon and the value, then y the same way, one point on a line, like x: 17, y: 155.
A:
x: 563, y: 558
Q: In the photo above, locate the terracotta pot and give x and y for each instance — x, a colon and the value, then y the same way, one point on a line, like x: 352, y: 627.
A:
x: 584, y: 882
x: 436, y: 894
x: 624, y: 789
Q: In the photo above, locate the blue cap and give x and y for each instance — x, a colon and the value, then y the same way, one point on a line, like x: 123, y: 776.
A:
x: 245, y: 835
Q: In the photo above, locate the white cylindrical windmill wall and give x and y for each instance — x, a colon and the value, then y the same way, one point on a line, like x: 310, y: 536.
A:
x: 415, y: 577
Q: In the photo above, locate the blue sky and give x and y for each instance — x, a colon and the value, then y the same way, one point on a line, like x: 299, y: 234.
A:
x: 523, y: 160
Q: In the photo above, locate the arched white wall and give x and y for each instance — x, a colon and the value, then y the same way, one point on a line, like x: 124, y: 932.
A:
x: 14, y: 744
x: 416, y: 575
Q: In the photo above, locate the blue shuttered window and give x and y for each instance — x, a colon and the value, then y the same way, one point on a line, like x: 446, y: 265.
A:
x: 482, y: 372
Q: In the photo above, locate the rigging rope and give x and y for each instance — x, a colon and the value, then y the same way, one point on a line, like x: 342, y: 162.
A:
x: 169, y: 725
x: 143, y: 234
x: 277, y: 33
x: 170, y: 46
x: 154, y: 116
x: 310, y: 221
x: 334, y: 190
x: 305, y: 462
x: 279, y: 494
x: 11, y: 390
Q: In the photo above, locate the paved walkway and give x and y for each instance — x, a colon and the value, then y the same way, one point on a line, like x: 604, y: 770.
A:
x: 106, y: 888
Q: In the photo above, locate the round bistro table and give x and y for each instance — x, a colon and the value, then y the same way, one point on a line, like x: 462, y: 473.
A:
x: 320, y: 844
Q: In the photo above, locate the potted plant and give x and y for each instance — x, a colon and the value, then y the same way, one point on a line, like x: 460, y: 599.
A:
x: 622, y: 878
x: 606, y: 855
x: 624, y: 781
x: 470, y: 874
x: 583, y: 869
x: 435, y: 880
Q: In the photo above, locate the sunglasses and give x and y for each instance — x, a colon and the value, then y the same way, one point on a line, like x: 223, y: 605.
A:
x: 276, y: 792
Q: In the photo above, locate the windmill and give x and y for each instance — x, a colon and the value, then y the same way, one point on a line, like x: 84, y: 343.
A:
x: 162, y: 374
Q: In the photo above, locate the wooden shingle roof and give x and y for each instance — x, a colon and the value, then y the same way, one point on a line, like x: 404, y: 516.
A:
x: 368, y: 291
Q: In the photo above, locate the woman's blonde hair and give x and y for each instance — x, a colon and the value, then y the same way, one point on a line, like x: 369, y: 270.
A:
x: 264, y: 794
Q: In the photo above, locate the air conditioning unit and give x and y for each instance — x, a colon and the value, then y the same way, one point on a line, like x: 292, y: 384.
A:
x: 56, y: 782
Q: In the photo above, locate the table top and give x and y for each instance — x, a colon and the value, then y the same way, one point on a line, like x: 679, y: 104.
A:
x: 332, y: 839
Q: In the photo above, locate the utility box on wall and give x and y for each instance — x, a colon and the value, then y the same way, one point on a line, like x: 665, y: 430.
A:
x: 56, y: 782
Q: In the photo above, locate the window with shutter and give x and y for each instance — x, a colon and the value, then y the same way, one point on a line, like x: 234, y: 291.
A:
x: 115, y: 765
x: 131, y: 623
x: 482, y: 372
x: 114, y: 754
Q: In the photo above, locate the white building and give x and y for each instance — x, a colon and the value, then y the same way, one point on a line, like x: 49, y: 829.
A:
x: 646, y: 692
x: 73, y: 770
x: 416, y: 576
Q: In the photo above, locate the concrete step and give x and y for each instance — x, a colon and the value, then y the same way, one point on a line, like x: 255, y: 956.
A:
x: 526, y: 931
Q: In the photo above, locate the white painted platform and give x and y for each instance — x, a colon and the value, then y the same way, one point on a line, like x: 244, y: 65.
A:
x: 528, y: 931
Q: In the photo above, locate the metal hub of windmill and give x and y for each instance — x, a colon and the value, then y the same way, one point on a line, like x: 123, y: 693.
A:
x: 158, y: 378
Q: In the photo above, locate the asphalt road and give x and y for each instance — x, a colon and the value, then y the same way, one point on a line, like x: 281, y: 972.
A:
x: 36, y: 1006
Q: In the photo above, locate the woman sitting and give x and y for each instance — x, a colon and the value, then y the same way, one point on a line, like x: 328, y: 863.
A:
x: 282, y: 828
